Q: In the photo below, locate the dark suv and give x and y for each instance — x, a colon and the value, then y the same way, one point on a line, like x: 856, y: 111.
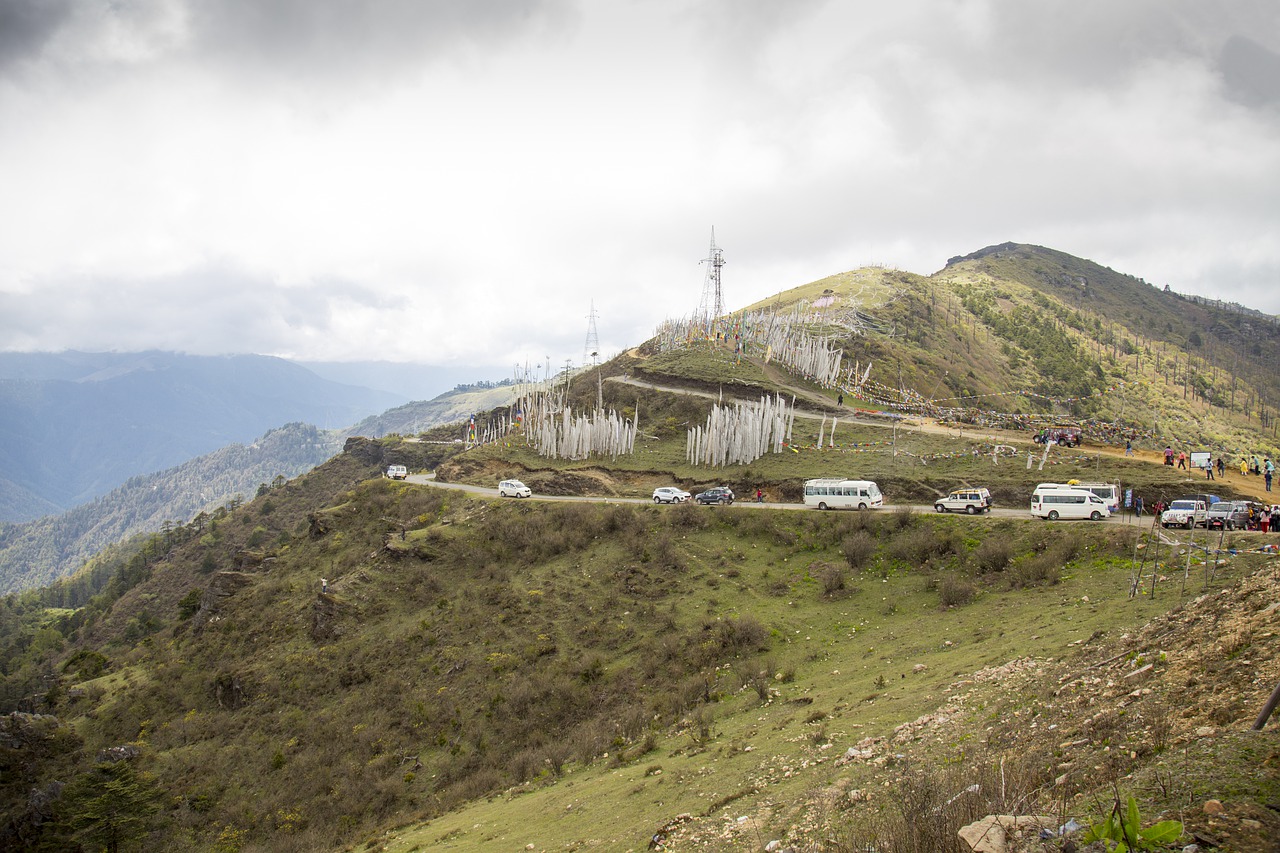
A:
x: 716, y: 495
x: 1228, y: 515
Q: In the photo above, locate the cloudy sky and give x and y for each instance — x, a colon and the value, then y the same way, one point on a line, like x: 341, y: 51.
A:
x: 454, y: 182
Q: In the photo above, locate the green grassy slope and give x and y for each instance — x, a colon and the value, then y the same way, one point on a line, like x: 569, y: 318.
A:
x: 619, y: 664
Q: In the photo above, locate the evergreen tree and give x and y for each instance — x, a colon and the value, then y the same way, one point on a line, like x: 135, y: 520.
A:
x: 111, y: 807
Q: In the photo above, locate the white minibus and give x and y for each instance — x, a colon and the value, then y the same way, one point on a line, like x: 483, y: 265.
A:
x: 1109, y: 492
x: 833, y: 493
x: 1053, y: 501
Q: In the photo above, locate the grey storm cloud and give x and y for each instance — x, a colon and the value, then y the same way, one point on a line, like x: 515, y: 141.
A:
x: 26, y: 25
x: 1251, y: 71
x: 335, y: 40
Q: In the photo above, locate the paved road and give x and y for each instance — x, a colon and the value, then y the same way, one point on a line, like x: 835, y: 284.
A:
x: 996, y: 512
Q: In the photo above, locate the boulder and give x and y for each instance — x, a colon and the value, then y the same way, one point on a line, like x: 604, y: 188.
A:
x: 992, y: 833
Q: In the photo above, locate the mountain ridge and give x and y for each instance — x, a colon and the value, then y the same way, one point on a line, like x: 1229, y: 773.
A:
x: 79, y: 424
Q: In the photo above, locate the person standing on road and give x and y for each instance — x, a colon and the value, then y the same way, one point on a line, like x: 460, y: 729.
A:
x: 1208, y: 469
x: 1128, y: 447
x: 1221, y: 466
x: 1137, y: 507
x: 1182, y: 459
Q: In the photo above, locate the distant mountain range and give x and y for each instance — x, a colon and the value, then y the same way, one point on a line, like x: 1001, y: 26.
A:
x: 76, y: 425
x: 39, y: 552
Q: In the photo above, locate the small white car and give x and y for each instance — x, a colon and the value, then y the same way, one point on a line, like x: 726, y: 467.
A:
x: 397, y: 472
x: 513, y: 489
x: 670, y: 495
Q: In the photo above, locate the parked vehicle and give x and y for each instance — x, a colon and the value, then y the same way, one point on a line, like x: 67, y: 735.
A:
x: 1228, y: 515
x: 669, y: 495
x: 397, y: 472
x: 514, y: 489
x: 972, y: 501
x: 833, y: 493
x: 1109, y: 492
x: 1185, y: 513
x: 715, y: 495
x: 1066, y: 436
x: 1053, y: 501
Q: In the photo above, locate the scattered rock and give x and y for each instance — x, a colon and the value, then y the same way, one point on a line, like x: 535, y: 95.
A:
x: 993, y: 833
x: 124, y: 752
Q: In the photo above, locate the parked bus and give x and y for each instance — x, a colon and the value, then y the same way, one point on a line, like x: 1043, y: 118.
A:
x: 833, y: 493
x: 1054, y: 501
x: 1109, y: 492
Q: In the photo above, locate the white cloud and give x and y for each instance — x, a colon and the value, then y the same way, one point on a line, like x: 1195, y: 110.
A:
x: 430, y: 181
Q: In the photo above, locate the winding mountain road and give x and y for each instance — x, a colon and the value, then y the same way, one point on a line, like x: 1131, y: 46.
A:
x: 996, y: 512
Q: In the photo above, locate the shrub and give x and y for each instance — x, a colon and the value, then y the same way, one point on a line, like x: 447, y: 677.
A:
x: 993, y: 555
x: 913, y: 547
x: 955, y: 591
x: 858, y: 547
x: 831, y: 577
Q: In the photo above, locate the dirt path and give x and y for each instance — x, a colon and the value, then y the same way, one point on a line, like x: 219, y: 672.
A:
x: 1253, y: 487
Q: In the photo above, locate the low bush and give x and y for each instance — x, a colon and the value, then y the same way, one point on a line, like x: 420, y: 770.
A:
x: 993, y: 555
x: 831, y: 578
x: 858, y: 548
x: 954, y: 591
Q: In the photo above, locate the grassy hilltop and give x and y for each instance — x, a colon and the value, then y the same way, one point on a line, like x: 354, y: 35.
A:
x: 479, y: 674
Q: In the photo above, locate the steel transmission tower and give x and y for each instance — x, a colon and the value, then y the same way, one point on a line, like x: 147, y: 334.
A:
x: 591, y: 352
x: 712, y: 305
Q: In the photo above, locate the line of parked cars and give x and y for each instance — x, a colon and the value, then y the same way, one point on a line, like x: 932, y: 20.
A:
x: 1199, y: 511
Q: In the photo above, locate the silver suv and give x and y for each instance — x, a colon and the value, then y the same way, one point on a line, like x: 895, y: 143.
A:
x: 1228, y: 515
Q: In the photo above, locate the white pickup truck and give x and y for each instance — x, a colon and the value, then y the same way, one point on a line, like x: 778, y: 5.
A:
x: 1186, y: 514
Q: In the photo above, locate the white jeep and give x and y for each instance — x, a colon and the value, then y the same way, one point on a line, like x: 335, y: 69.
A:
x: 1186, y: 514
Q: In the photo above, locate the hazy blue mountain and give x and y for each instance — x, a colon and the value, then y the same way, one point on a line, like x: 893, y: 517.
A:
x: 74, y: 425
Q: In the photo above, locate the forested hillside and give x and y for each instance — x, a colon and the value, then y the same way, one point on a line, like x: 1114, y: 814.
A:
x: 39, y: 552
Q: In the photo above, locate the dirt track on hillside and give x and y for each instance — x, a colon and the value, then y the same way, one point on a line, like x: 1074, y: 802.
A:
x: 1251, y: 486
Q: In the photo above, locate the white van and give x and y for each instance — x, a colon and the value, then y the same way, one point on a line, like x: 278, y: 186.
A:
x: 832, y: 493
x: 1109, y: 492
x: 397, y: 472
x: 1053, y: 501
x: 514, y: 489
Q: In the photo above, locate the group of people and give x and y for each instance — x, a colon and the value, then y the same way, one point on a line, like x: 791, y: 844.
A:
x: 1249, y: 465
